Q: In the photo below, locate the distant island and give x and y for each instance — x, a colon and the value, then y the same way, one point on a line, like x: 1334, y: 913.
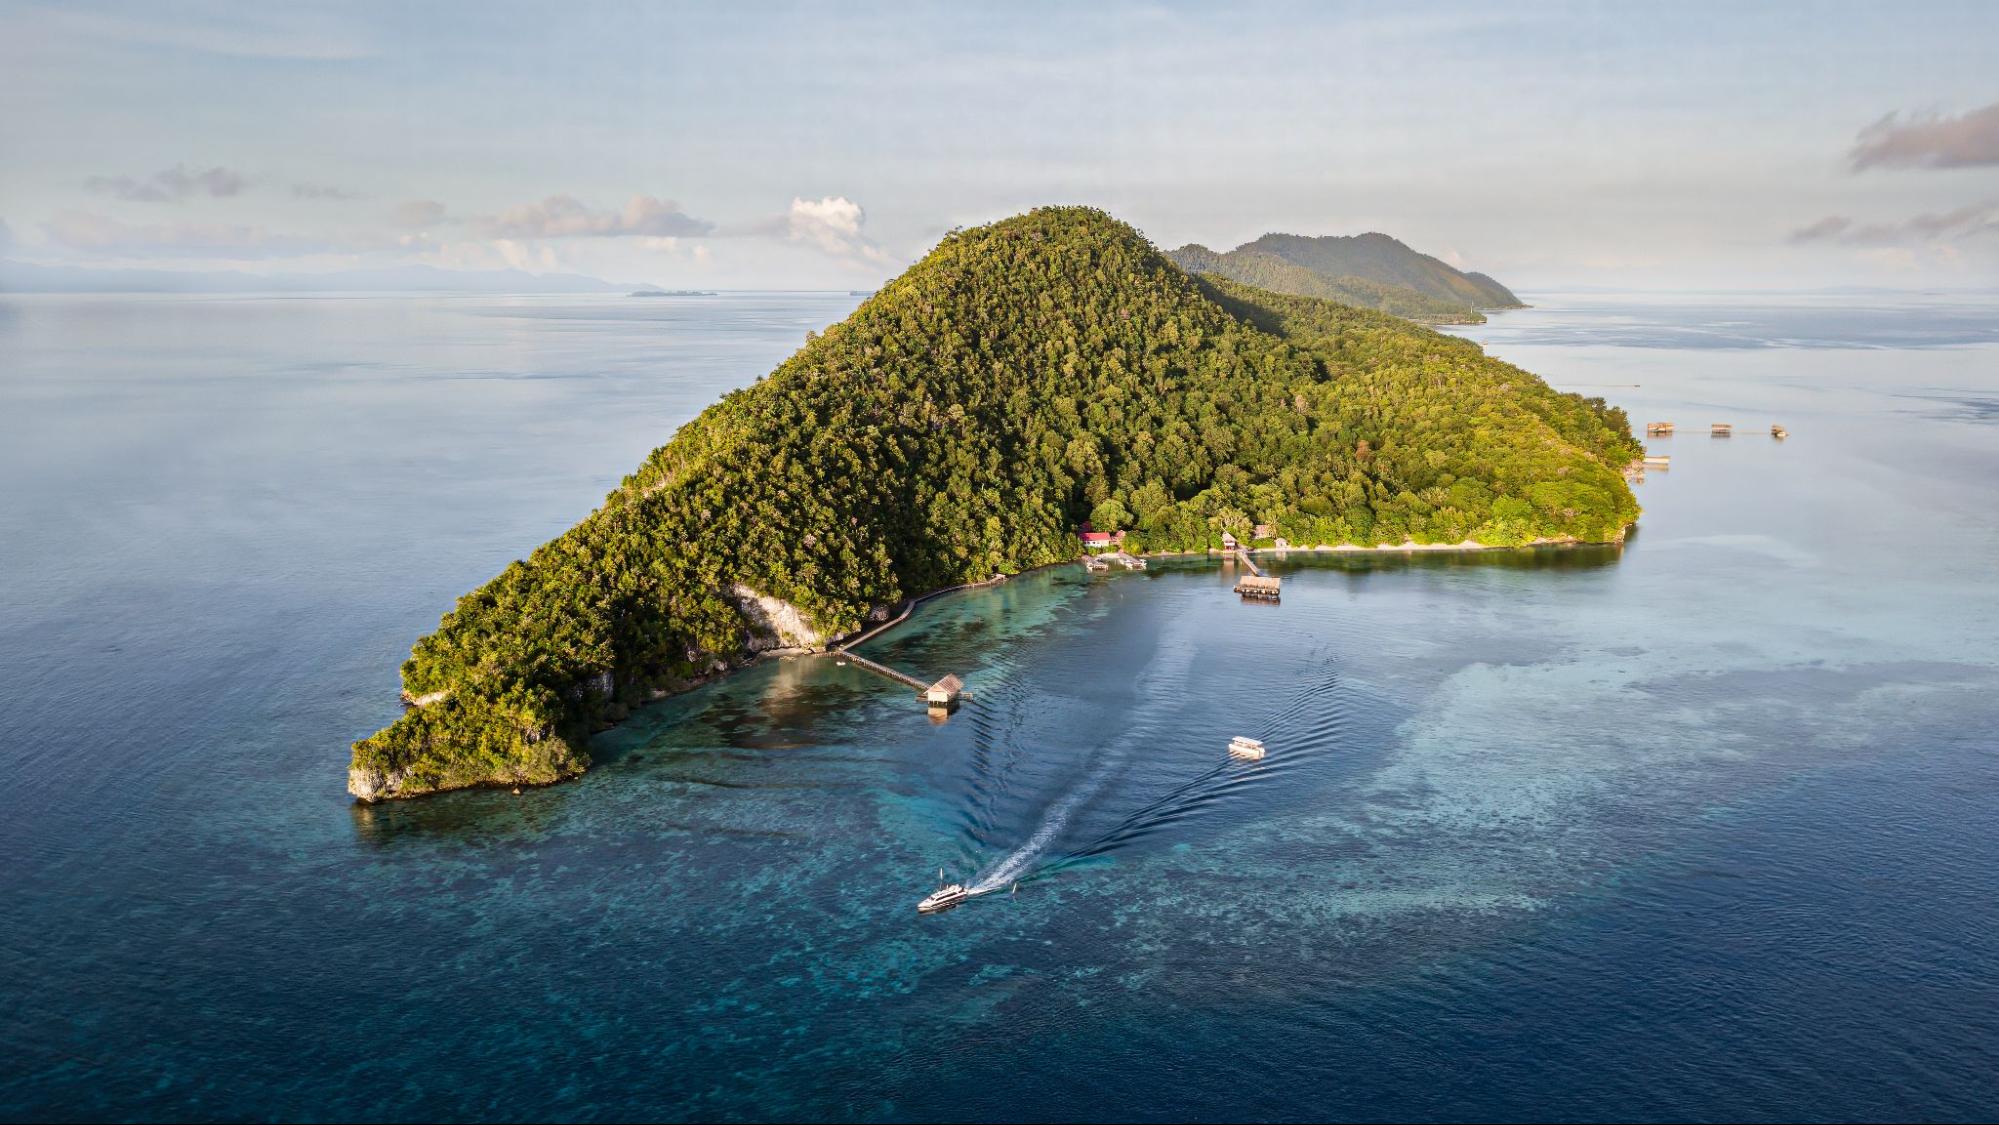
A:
x: 1022, y: 379
x: 671, y: 293
x: 1371, y: 271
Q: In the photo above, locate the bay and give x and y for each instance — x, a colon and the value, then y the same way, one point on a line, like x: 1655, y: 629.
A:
x: 1699, y: 827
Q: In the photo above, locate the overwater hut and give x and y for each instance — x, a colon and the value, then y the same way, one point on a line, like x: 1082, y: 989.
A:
x: 1258, y: 586
x: 1779, y: 432
x: 1658, y: 429
x: 945, y: 692
x: 1721, y: 429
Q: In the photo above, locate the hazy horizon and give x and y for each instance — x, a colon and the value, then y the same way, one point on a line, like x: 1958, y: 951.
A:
x: 1788, y: 147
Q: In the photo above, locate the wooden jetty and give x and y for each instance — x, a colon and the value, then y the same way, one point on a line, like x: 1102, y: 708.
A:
x: 884, y: 670
x: 1256, y: 584
x: 1658, y: 429
x: 1098, y: 564
x: 1721, y: 429
x: 951, y: 689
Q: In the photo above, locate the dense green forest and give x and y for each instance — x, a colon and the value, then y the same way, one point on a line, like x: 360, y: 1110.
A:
x: 1022, y: 378
x: 1369, y: 270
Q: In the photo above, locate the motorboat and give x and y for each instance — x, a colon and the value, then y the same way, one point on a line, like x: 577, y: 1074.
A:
x: 943, y: 898
x: 1244, y: 747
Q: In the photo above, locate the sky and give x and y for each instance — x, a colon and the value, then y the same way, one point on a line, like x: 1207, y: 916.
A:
x: 827, y: 146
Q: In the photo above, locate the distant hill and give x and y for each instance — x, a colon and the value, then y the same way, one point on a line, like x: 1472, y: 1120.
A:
x: 1368, y: 270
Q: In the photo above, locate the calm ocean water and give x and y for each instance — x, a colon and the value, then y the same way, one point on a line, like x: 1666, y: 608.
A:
x: 1702, y: 828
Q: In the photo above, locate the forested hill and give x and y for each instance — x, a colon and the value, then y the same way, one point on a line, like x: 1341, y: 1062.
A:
x: 1369, y: 270
x: 1265, y: 270
x: 1022, y: 378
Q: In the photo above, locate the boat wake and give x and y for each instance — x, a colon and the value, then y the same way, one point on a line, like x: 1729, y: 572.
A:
x: 1021, y: 861
x: 1304, y: 724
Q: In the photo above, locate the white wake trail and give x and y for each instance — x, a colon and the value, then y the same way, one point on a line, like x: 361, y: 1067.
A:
x: 1021, y: 860
x: 1164, y: 677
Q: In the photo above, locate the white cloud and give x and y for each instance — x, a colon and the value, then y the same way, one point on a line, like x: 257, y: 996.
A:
x: 417, y: 214
x: 565, y: 216
x: 1930, y: 141
x: 171, y: 185
x: 1970, y: 221
x: 523, y: 257
x: 323, y: 191
x: 833, y: 225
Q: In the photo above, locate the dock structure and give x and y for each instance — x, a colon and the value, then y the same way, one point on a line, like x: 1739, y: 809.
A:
x: 1657, y: 461
x: 1658, y: 429
x: 1721, y: 429
x: 1256, y: 584
x: 956, y: 686
x: 884, y: 670
x: 1098, y: 564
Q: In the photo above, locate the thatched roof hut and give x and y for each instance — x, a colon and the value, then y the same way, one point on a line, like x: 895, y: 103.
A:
x: 944, y: 692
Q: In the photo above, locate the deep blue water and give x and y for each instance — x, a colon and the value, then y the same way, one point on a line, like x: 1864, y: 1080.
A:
x: 1702, y: 828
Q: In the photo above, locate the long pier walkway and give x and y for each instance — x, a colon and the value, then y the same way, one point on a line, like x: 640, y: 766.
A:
x: 846, y: 648
x: 1243, y: 554
x: 872, y: 666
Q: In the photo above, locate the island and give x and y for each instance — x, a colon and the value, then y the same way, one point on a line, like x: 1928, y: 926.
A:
x: 1022, y: 380
x: 1370, y: 270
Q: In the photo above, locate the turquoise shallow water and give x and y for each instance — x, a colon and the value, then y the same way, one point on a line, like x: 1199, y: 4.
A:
x: 1702, y: 827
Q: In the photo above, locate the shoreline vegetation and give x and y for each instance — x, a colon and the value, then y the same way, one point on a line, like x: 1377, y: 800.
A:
x: 1025, y: 379
x: 838, y: 645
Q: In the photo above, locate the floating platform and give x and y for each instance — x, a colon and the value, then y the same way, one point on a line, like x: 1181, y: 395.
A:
x: 1658, y: 461
x: 1721, y: 429
x: 1779, y: 432
x: 1259, y: 586
x: 1658, y: 429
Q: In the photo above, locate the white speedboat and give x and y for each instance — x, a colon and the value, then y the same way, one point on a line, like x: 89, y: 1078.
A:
x: 1247, y: 748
